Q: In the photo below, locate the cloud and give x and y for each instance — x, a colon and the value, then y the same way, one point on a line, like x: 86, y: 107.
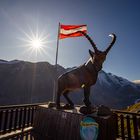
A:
x: 136, y: 81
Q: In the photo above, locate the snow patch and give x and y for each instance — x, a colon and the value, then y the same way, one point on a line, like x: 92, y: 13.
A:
x: 102, y: 77
x: 111, y: 79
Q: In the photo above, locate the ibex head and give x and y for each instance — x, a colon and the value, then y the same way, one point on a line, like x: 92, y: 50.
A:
x: 99, y: 56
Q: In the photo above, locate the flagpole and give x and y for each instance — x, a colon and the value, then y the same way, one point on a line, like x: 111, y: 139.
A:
x: 56, y: 59
x: 57, y: 45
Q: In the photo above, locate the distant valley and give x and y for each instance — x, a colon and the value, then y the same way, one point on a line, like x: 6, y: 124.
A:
x: 25, y: 82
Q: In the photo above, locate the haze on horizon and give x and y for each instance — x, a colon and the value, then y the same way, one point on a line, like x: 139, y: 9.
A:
x: 19, y: 20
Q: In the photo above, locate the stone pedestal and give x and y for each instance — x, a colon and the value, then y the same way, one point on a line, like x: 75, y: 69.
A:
x: 52, y: 124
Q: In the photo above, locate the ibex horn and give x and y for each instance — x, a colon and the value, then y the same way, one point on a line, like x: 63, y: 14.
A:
x: 112, y: 42
x: 90, y: 40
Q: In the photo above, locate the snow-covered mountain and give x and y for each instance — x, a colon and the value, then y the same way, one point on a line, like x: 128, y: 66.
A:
x: 119, y: 91
x: 26, y: 82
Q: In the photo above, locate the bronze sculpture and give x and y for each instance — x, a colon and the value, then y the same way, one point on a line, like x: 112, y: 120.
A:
x: 83, y: 76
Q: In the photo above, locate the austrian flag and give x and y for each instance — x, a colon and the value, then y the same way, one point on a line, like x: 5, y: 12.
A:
x: 67, y: 31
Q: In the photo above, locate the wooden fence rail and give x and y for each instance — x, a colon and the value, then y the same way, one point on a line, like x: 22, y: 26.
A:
x: 13, y: 118
x: 128, y: 125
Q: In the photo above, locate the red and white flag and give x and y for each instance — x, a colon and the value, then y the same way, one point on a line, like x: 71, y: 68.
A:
x: 67, y: 31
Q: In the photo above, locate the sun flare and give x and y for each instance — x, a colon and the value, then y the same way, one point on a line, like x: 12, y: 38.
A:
x: 36, y: 41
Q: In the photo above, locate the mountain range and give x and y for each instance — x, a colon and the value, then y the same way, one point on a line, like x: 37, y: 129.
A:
x: 24, y: 82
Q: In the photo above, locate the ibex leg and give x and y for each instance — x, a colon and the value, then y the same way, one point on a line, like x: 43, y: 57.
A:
x: 68, y: 99
x: 86, y: 96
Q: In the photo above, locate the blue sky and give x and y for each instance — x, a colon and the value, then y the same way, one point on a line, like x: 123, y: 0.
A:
x: 102, y: 17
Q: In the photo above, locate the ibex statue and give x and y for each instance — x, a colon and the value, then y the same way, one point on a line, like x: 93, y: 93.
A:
x: 83, y: 76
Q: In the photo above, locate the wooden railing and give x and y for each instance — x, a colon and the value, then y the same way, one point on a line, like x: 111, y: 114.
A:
x: 128, y: 125
x: 19, y: 117
x: 15, y: 118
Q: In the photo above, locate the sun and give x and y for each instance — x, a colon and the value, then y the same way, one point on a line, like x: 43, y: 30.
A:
x: 36, y: 43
